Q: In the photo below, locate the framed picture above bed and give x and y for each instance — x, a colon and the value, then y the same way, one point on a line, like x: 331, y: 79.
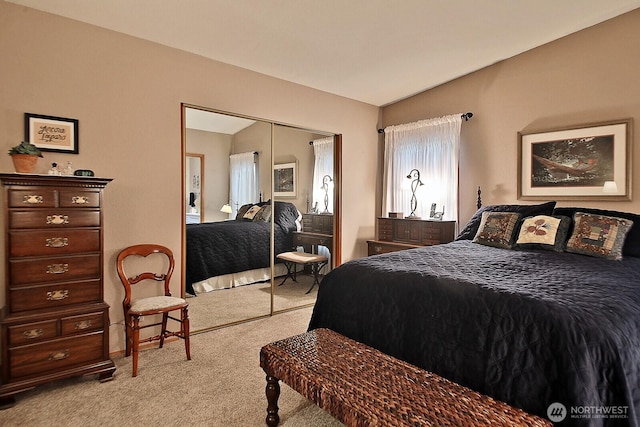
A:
x: 285, y: 180
x: 576, y: 163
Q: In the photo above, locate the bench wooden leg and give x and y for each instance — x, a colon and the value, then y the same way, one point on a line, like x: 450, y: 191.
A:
x: 273, y: 393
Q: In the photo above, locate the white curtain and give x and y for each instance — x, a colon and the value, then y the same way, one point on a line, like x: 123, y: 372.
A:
x: 323, y: 166
x: 432, y: 147
x: 243, y: 180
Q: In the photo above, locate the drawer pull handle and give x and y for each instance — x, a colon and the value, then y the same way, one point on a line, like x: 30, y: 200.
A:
x: 80, y: 200
x: 83, y: 324
x: 32, y: 334
x: 57, y: 268
x: 32, y: 199
x: 57, y: 242
x: 57, y: 219
x: 57, y: 295
x: 59, y: 355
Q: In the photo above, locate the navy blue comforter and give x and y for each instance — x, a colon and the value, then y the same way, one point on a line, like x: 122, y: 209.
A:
x: 526, y: 327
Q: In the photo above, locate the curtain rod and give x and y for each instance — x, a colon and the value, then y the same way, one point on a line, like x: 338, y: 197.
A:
x: 465, y: 116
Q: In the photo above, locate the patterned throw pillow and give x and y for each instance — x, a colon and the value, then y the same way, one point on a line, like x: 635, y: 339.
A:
x: 253, y: 210
x: 243, y: 210
x: 544, y: 232
x: 497, y: 229
x: 631, y: 242
x: 598, y: 235
x: 470, y: 230
x: 263, y: 215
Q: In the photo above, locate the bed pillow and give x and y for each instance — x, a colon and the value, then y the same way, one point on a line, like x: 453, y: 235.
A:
x: 470, y: 230
x: 285, y: 215
x: 497, y: 229
x: 252, y: 212
x: 598, y: 235
x: 631, y: 243
x: 544, y: 232
x: 263, y: 215
x: 243, y: 210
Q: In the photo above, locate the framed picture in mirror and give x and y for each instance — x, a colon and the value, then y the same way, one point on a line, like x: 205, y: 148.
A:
x: 285, y: 180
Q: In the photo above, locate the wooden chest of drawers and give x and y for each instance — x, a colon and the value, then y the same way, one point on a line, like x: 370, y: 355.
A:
x: 396, y: 234
x: 54, y: 320
x: 302, y: 238
x: 317, y: 223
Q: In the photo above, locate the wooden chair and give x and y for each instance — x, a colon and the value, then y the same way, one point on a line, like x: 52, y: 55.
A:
x: 135, y: 309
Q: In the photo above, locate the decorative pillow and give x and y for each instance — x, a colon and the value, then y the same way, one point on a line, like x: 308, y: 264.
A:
x: 497, y: 229
x: 252, y: 212
x: 631, y: 243
x: 598, y: 235
x: 243, y: 210
x: 544, y: 232
x: 263, y: 215
x: 470, y: 230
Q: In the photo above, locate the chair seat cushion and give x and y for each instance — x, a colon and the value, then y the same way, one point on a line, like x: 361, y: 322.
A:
x: 155, y: 303
x: 301, y: 257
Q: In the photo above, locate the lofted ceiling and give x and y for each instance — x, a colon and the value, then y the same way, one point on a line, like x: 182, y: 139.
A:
x: 374, y: 51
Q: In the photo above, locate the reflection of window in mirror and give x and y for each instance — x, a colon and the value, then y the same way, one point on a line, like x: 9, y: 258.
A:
x: 244, y: 184
x: 194, y: 183
x: 323, y: 175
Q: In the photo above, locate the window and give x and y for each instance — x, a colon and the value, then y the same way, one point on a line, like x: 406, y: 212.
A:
x: 432, y: 147
x: 243, y: 179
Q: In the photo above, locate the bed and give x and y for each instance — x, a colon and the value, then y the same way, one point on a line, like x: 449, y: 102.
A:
x: 237, y: 252
x: 530, y: 324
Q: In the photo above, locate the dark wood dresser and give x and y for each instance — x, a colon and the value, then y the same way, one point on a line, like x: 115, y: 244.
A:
x: 317, y: 223
x: 54, y: 322
x: 317, y: 229
x: 396, y: 234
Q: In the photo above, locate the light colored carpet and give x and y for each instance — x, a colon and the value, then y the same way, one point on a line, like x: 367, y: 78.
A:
x: 223, y: 385
x: 224, y: 306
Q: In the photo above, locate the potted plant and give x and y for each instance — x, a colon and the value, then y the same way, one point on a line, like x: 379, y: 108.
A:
x: 25, y: 156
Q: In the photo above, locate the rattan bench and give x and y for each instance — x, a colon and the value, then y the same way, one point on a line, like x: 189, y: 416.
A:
x: 361, y: 386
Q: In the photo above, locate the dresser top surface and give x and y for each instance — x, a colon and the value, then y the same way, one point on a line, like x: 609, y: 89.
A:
x: 416, y: 220
x: 53, y: 180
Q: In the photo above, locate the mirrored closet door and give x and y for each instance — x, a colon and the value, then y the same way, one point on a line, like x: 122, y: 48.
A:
x: 302, y: 160
x: 256, y: 199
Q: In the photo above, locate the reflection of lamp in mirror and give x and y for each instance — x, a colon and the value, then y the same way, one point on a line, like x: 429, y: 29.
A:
x: 326, y: 182
x: 415, y: 183
x: 610, y: 187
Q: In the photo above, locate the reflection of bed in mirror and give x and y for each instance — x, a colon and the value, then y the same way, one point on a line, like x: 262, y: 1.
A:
x: 228, y: 254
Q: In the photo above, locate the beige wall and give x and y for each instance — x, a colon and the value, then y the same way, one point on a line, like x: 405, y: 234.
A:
x: 126, y: 94
x: 587, y: 77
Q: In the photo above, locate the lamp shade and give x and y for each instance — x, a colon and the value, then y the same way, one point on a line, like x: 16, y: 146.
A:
x: 226, y: 209
x: 610, y: 187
